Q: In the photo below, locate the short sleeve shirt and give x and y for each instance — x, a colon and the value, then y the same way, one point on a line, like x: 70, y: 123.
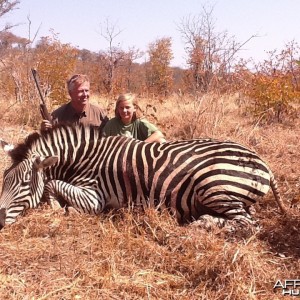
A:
x: 140, y: 129
x: 93, y: 115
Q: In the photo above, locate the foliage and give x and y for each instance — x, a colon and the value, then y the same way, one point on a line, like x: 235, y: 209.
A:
x: 7, y: 6
x: 55, y: 62
x: 159, y: 73
x: 274, y: 88
x: 114, y: 65
x: 211, y: 54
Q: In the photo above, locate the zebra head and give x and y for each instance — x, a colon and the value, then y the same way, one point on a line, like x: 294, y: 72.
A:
x: 23, y: 186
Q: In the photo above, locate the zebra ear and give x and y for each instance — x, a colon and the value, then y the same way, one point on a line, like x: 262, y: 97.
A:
x: 6, y: 146
x: 46, y: 162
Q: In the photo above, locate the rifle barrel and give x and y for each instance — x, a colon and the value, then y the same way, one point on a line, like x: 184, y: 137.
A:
x: 43, y: 108
x: 34, y: 73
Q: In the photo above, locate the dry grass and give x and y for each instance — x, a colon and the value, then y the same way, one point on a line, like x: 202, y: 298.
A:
x: 134, y: 255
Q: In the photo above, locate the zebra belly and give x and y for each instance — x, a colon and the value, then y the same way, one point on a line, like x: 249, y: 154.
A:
x: 211, y: 190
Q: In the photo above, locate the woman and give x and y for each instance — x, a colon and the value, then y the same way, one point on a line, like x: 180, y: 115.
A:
x: 127, y: 123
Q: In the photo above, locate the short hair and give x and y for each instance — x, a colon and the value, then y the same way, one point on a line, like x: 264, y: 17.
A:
x: 76, y: 80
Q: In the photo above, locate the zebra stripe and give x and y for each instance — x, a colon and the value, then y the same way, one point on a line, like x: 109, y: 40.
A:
x: 92, y: 173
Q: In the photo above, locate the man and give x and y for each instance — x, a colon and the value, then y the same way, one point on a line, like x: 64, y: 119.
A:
x: 79, y: 109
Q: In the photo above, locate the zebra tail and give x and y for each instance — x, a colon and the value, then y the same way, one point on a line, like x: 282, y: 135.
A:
x: 276, y: 193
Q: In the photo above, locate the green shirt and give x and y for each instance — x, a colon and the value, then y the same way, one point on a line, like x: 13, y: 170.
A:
x: 140, y: 129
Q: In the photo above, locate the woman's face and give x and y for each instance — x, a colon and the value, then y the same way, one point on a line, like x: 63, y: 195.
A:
x: 126, y: 110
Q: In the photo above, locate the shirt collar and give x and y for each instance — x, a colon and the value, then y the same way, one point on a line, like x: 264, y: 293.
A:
x: 81, y: 114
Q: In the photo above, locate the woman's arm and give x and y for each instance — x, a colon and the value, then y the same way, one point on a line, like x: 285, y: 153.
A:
x: 156, y: 136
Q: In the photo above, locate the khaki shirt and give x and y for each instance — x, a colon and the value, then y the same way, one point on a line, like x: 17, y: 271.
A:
x: 93, y: 115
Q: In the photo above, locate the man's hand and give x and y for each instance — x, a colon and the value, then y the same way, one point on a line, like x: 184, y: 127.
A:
x: 45, y: 125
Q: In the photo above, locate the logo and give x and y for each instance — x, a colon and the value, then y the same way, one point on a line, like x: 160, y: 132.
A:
x: 289, y: 287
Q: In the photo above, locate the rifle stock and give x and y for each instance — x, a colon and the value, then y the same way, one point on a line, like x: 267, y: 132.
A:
x: 43, y: 108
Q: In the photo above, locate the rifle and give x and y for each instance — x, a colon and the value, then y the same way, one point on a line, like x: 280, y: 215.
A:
x: 43, y: 108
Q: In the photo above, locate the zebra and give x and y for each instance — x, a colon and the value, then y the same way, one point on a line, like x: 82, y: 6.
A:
x: 77, y: 166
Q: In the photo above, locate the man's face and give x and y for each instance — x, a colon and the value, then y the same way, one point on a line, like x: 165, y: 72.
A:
x: 80, y: 95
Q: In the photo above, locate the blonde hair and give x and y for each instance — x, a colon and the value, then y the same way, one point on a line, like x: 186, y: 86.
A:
x: 132, y: 98
x: 76, y: 80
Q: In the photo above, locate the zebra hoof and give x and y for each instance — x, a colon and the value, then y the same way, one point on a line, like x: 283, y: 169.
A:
x: 71, y: 211
x: 209, y: 222
x: 54, y: 205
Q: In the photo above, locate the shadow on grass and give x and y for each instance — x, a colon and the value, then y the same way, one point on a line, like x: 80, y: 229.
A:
x: 282, y: 233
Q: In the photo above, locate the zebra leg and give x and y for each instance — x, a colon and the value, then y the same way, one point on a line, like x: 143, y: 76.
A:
x: 242, y: 224
x: 236, y: 226
x: 232, y: 215
x: 55, y: 202
x: 85, y: 200
x: 240, y: 214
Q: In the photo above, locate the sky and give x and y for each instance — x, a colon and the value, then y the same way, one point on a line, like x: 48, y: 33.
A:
x: 141, y: 22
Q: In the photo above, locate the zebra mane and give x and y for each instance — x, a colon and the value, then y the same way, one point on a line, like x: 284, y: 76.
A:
x: 21, y: 150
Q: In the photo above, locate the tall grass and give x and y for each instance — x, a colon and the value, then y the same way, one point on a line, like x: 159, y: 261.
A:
x: 129, y: 254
